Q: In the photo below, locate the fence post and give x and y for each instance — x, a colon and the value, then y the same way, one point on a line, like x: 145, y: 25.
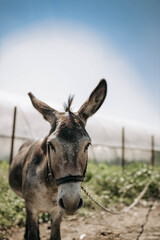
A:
x: 13, y: 134
x: 152, y: 151
x: 123, y: 149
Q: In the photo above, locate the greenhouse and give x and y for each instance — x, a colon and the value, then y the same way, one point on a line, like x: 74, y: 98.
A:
x: 112, y: 139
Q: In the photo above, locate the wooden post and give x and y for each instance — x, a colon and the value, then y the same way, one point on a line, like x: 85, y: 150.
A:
x: 123, y: 148
x: 13, y: 134
x: 152, y: 151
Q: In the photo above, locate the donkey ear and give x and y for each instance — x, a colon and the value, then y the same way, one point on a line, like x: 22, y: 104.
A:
x: 48, y: 113
x: 94, y: 101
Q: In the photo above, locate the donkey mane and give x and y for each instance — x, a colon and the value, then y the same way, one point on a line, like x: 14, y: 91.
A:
x: 67, y: 106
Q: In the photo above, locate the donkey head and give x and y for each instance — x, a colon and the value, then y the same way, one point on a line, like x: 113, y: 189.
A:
x: 68, y: 143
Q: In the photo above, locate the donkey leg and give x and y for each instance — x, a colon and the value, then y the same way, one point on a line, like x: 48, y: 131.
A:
x: 32, y: 227
x: 55, y: 224
x: 26, y: 230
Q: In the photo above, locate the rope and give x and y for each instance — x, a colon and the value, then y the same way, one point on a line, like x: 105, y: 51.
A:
x: 125, y: 209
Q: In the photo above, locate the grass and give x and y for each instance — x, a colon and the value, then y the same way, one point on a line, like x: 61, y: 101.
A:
x: 108, y: 184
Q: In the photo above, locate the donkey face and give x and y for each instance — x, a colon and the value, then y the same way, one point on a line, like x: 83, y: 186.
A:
x: 68, y: 143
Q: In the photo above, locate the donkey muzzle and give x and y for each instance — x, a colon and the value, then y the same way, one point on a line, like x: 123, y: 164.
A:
x: 69, y: 197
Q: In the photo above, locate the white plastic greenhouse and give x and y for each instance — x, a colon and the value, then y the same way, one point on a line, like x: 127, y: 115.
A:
x: 105, y: 132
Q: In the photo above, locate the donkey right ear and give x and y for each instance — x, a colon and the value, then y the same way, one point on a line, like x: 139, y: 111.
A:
x: 48, y: 113
x: 94, y: 101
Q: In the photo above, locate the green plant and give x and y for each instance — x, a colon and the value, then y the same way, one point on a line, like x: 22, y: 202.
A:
x: 108, y: 184
x: 12, y: 210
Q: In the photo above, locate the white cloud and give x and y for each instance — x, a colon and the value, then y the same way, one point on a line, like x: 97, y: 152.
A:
x: 53, y: 61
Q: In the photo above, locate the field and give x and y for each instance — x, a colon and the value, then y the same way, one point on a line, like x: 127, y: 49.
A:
x: 111, y: 187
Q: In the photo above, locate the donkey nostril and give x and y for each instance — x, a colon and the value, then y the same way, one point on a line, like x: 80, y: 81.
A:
x: 61, y: 204
x: 80, y: 203
x: 69, y: 204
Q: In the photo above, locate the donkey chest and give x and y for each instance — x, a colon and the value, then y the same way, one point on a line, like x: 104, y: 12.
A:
x: 41, y: 196
x: 45, y: 200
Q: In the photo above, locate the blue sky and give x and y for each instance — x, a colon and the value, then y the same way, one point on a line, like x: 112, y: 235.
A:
x: 132, y: 28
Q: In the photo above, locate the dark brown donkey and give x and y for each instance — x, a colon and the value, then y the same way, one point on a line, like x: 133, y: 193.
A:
x: 48, y: 173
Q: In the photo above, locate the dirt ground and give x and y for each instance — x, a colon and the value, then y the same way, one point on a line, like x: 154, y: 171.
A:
x: 140, y: 223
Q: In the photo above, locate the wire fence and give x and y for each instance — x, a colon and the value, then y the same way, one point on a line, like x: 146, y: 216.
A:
x: 115, y: 154
x: 123, y: 155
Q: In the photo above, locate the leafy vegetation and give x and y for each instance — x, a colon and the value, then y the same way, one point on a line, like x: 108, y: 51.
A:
x: 108, y: 184
x: 12, y: 210
x: 111, y: 186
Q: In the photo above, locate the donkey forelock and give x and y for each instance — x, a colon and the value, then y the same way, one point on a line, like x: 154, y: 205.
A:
x: 67, y: 106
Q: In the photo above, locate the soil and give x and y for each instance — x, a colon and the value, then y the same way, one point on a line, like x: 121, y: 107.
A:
x: 140, y: 223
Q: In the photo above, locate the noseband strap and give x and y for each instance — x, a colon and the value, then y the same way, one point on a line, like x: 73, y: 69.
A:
x: 59, y: 181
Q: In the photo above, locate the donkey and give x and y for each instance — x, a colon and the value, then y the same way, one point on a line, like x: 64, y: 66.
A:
x: 48, y: 174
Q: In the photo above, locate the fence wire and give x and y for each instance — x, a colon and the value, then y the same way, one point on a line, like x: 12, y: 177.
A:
x: 121, y: 153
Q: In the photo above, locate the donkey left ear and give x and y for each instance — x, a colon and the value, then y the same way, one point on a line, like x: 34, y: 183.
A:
x: 94, y: 101
x: 48, y: 113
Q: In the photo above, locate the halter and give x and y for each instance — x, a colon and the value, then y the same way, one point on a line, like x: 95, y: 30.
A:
x: 70, y: 178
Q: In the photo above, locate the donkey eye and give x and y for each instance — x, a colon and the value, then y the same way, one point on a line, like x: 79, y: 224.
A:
x: 52, y: 147
x: 86, y: 147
